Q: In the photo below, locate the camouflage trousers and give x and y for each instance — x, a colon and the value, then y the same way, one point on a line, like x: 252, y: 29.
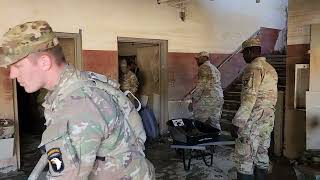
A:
x: 253, y: 142
x: 209, y: 112
x: 138, y: 169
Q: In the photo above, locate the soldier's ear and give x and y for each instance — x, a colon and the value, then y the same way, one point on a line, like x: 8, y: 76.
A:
x: 45, y: 62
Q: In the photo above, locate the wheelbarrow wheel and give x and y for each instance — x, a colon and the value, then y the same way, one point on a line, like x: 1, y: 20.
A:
x: 204, y: 158
x: 187, y: 157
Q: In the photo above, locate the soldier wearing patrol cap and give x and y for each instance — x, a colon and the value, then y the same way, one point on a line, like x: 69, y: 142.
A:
x: 93, y: 131
x: 255, y: 118
x: 207, y: 96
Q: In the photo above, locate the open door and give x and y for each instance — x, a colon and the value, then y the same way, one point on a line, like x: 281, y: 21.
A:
x: 148, y: 60
x: 150, y: 56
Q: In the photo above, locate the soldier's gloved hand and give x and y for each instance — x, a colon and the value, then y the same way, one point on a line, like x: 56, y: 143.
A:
x: 234, y: 131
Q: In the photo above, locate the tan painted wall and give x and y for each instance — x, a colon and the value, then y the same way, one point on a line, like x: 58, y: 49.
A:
x: 301, y: 14
x: 215, y: 26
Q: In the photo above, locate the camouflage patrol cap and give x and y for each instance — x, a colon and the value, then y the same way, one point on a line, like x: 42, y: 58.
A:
x: 252, y: 42
x: 202, y: 54
x: 24, y: 39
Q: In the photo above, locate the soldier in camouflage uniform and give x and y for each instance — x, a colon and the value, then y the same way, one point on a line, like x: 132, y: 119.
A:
x: 255, y: 118
x: 128, y: 80
x: 207, y: 97
x: 93, y: 131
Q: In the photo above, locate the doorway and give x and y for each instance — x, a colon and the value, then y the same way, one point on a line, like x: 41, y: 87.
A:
x: 29, y: 110
x: 147, y: 58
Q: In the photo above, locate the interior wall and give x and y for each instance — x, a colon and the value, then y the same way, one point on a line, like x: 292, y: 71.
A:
x: 300, y: 15
x: 182, y: 67
x: 206, y: 27
x: 215, y: 26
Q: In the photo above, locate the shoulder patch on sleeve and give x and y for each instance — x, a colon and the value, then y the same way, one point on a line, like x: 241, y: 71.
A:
x: 55, y: 159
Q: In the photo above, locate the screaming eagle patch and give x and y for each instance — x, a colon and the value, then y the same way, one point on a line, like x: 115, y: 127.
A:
x: 55, y: 159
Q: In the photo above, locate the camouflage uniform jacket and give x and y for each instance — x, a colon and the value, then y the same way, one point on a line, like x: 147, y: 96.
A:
x: 129, y: 81
x: 209, y: 84
x: 259, y: 90
x: 87, y: 117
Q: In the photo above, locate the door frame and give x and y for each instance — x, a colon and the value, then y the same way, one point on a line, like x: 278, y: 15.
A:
x: 163, y: 44
x: 78, y: 46
x: 78, y: 64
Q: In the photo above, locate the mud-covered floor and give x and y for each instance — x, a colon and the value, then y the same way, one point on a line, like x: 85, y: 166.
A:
x: 169, y: 166
x: 168, y: 163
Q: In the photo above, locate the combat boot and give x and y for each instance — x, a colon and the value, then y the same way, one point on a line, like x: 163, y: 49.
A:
x: 260, y: 174
x: 241, y: 176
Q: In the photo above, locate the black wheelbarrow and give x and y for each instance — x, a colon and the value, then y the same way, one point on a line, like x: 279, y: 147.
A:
x: 195, y: 137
